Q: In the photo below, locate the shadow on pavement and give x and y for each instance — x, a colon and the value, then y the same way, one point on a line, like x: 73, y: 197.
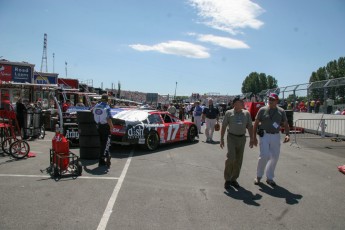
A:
x: 102, y: 170
x: 94, y: 171
x: 242, y: 194
x: 280, y: 192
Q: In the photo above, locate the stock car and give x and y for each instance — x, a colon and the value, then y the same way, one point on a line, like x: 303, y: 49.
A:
x: 149, y: 128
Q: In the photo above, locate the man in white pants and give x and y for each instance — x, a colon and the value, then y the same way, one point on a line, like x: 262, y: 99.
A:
x: 210, y: 115
x: 270, y: 117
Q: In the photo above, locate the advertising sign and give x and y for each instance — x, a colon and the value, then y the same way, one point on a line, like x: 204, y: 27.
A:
x: 15, y: 73
x: 5, y: 72
x: 21, y: 74
x: 41, y: 79
x: 68, y: 83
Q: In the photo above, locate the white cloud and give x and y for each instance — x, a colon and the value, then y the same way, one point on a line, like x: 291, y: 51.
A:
x: 225, y: 42
x: 179, y: 48
x: 228, y: 15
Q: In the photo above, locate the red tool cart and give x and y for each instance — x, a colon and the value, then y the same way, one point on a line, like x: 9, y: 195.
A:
x: 62, y: 161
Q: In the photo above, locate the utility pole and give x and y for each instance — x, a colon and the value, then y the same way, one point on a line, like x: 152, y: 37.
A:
x: 44, y: 55
x: 53, y: 62
x: 66, y: 68
x: 175, y: 91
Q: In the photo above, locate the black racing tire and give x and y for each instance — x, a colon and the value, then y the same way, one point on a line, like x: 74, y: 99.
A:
x: 19, y: 149
x: 192, y: 133
x: 152, y: 141
x: 85, y: 117
x: 89, y: 141
x: 7, y: 143
x: 87, y: 129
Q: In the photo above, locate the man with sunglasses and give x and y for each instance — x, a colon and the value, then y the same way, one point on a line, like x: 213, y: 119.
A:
x: 270, y: 118
x: 235, y: 121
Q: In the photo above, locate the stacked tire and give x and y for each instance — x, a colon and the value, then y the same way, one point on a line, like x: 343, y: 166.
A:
x: 89, y: 142
x: 289, y: 116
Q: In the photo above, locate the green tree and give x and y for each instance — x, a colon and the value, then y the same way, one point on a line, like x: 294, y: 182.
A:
x: 333, y: 70
x: 256, y: 82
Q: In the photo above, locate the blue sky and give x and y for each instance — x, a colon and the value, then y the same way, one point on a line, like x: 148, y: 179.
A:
x: 149, y: 45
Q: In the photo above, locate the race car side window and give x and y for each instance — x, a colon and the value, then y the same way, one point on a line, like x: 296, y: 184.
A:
x: 154, y: 119
x: 166, y: 118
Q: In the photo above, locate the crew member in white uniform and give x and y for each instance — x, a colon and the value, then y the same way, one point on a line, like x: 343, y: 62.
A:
x: 102, y: 116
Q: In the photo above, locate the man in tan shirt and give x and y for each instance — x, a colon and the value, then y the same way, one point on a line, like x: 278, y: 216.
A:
x: 237, y: 120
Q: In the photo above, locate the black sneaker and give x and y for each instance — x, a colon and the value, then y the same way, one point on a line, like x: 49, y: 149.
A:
x: 108, y: 163
x: 235, y: 184
x: 271, y: 182
x: 227, y: 184
x: 102, y: 162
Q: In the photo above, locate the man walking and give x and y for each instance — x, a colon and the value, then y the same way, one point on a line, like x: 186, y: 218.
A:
x: 237, y: 120
x: 270, y: 117
x: 197, y: 112
x: 210, y: 115
x: 102, y: 117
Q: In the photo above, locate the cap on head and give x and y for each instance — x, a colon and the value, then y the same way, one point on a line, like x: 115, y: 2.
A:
x: 274, y: 96
x: 104, y: 97
x: 237, y: 98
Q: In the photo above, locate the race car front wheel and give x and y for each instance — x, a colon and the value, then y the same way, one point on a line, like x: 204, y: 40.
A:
x: 152, y: 141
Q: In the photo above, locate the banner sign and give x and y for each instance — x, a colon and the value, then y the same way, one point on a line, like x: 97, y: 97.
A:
x: 5, y: 72
x: 21, y: 74
x: 15, y: 73
x: 41, y: 79
x: 68, y: 83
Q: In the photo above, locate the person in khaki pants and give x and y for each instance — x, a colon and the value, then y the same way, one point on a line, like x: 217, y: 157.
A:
x: 237, y: 120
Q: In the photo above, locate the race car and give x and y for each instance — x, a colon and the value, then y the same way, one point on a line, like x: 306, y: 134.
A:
x: 150, y: 128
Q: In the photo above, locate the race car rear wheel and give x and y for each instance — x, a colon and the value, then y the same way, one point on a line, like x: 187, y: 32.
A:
x: 152, y: 141
x: 192, y: 133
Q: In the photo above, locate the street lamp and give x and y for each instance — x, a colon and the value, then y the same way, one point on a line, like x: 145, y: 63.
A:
x: 175, y: 91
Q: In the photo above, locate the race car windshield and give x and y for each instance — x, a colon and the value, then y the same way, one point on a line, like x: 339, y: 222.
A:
x: 132, y: 115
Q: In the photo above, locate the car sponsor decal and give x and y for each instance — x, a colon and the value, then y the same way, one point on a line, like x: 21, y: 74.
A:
x: 72, y: 134
x: 172, y: 131
x: 135, y: 131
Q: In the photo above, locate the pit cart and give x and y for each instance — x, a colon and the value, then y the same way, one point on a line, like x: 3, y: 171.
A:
x: 64, y: 165
x: 62, y: 161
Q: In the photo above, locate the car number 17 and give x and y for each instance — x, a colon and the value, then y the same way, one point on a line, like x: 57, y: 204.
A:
x: 172, y: 130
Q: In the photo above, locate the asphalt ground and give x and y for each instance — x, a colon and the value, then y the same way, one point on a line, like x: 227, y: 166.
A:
x: 179, y: 186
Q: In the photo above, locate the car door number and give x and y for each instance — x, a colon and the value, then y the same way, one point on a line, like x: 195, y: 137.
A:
x: 172, y: 130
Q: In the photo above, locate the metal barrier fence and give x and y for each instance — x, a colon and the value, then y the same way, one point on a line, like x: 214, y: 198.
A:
x: 318, y: 128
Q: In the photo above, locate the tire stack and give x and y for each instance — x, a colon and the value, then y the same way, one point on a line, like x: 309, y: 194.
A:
x: 89, y: 142
x: 289, y: 116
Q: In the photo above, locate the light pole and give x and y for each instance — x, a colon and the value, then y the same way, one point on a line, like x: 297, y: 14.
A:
x: 175, y: 91
x: 53, y: 62
x: 66, y: 68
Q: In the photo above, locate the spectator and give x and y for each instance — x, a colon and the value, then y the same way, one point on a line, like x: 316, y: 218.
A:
x: 66, y: 105
x: 236, y: 121
x: 343, y: 113
x: 317, y: 106
x: 172, y: 109
x: 337, y: 112
x: 312, y: 106
x: 210, y: 115
x: 20, y: 113
x: 197, y: 112
x: 270, y: 117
